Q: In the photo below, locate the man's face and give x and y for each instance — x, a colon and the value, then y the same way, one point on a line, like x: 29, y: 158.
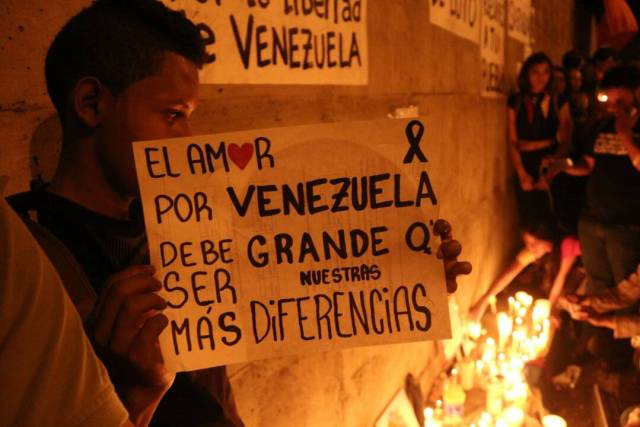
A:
x: 603, y: 66
x: 620, y: 101
x: 156, y: 107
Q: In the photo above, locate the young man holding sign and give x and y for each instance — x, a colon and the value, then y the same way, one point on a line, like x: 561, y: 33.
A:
x: 124, y: 71
x: 117, y: 72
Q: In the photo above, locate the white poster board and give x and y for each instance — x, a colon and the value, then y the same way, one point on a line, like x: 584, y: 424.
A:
x: 492, y: 43
x: 294, y: 240
x: 460, y: 17
x: 281, y: 41
x: 519, y: 20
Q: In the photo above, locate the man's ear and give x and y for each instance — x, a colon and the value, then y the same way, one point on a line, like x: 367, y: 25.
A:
x: 90, y: 101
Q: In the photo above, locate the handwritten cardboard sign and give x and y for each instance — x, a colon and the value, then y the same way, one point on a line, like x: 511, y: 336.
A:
x: 460, y: 17
x: 282, y: 41
x: 292, y: 240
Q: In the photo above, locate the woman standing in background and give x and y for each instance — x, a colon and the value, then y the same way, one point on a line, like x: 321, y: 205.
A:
x: 539, y: 129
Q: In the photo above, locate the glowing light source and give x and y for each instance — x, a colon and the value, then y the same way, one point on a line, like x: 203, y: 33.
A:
x: 553, y: 421
x: 505, y: 326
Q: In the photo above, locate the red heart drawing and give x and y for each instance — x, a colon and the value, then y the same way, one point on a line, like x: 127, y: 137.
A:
x: 240, y: 155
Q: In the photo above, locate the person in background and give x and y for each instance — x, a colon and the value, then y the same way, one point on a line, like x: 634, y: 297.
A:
x: 541, y: 246
x: 572, y: 60
x: 600, y: 309
x: 568, y: 190
x: 577, y: 97
x: 539, y: 127
x: 614, y: 318
x: 609, y: 226
x: 49, y: 372
x: 559, y: 83
x: 604, y: 59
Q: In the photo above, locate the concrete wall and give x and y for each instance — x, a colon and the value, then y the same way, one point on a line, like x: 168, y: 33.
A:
x: 411, y: 62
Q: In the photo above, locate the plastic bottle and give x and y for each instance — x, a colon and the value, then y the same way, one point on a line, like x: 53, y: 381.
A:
x: 453, y: 400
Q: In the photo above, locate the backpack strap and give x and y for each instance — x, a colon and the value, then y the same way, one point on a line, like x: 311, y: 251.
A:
x: 73, y: 277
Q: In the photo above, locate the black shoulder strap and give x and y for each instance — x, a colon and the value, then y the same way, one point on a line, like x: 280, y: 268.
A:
x: 71, y: 273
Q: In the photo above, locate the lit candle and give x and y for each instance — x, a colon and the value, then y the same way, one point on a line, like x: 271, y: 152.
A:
x: 466, y: 374
x: 553, y: 421
x: 474, y: 329
x: 480, y: 378
x: 517, y: 393
x: 514, y: 417
x: 486, y: 420
x: 512, y: 309
x: 492, y: 303
x: 494, y: 395
x: 524, y: 298
x: 541, y: 311
x: 516, y: 340
x: 522, y: 312
x: 489, y: 350
x: 505, y: 327
x: 429, y: 419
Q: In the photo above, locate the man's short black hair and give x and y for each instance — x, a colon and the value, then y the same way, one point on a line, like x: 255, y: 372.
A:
x: 625, y: 76
x: 604, y: 53
x: 118, y: 42
x: 572, y: 60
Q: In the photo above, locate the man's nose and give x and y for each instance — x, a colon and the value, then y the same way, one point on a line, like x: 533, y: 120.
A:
x: 184, y: 129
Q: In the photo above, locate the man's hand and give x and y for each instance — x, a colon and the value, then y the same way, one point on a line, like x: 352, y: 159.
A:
x: 125, y: 325
x: 573, y: 303
x: 448, y: 252
x: 599, y: 320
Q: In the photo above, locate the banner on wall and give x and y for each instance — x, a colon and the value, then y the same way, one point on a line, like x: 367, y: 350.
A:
x: 520, y: 20
x: 282, y: 41
x: 460, y: 17
x: 492, y: 47
x: 294, y: 240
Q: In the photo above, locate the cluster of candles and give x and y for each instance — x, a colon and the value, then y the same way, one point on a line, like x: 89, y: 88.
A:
x: 497, y: 367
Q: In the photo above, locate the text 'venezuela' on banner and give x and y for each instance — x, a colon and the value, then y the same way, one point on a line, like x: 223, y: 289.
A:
x: 294, y: 240
x: 281, y: 41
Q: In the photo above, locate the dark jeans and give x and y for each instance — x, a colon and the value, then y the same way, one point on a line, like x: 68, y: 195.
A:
x: 610, y: 253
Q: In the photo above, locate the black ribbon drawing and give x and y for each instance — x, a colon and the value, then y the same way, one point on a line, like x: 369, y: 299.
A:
x: 414, y: 132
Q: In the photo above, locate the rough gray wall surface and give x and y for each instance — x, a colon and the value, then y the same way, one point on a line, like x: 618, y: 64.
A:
x: 411, y: 62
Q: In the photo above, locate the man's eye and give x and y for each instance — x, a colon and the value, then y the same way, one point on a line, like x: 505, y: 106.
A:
x: 174, y: 115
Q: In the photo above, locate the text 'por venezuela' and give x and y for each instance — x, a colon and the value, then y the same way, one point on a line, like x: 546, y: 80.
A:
x: 302, y: 198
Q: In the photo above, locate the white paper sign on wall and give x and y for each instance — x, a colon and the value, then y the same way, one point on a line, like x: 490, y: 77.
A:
x: 460, y: 17
x: 520, y: 20
x: 282, y: 41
